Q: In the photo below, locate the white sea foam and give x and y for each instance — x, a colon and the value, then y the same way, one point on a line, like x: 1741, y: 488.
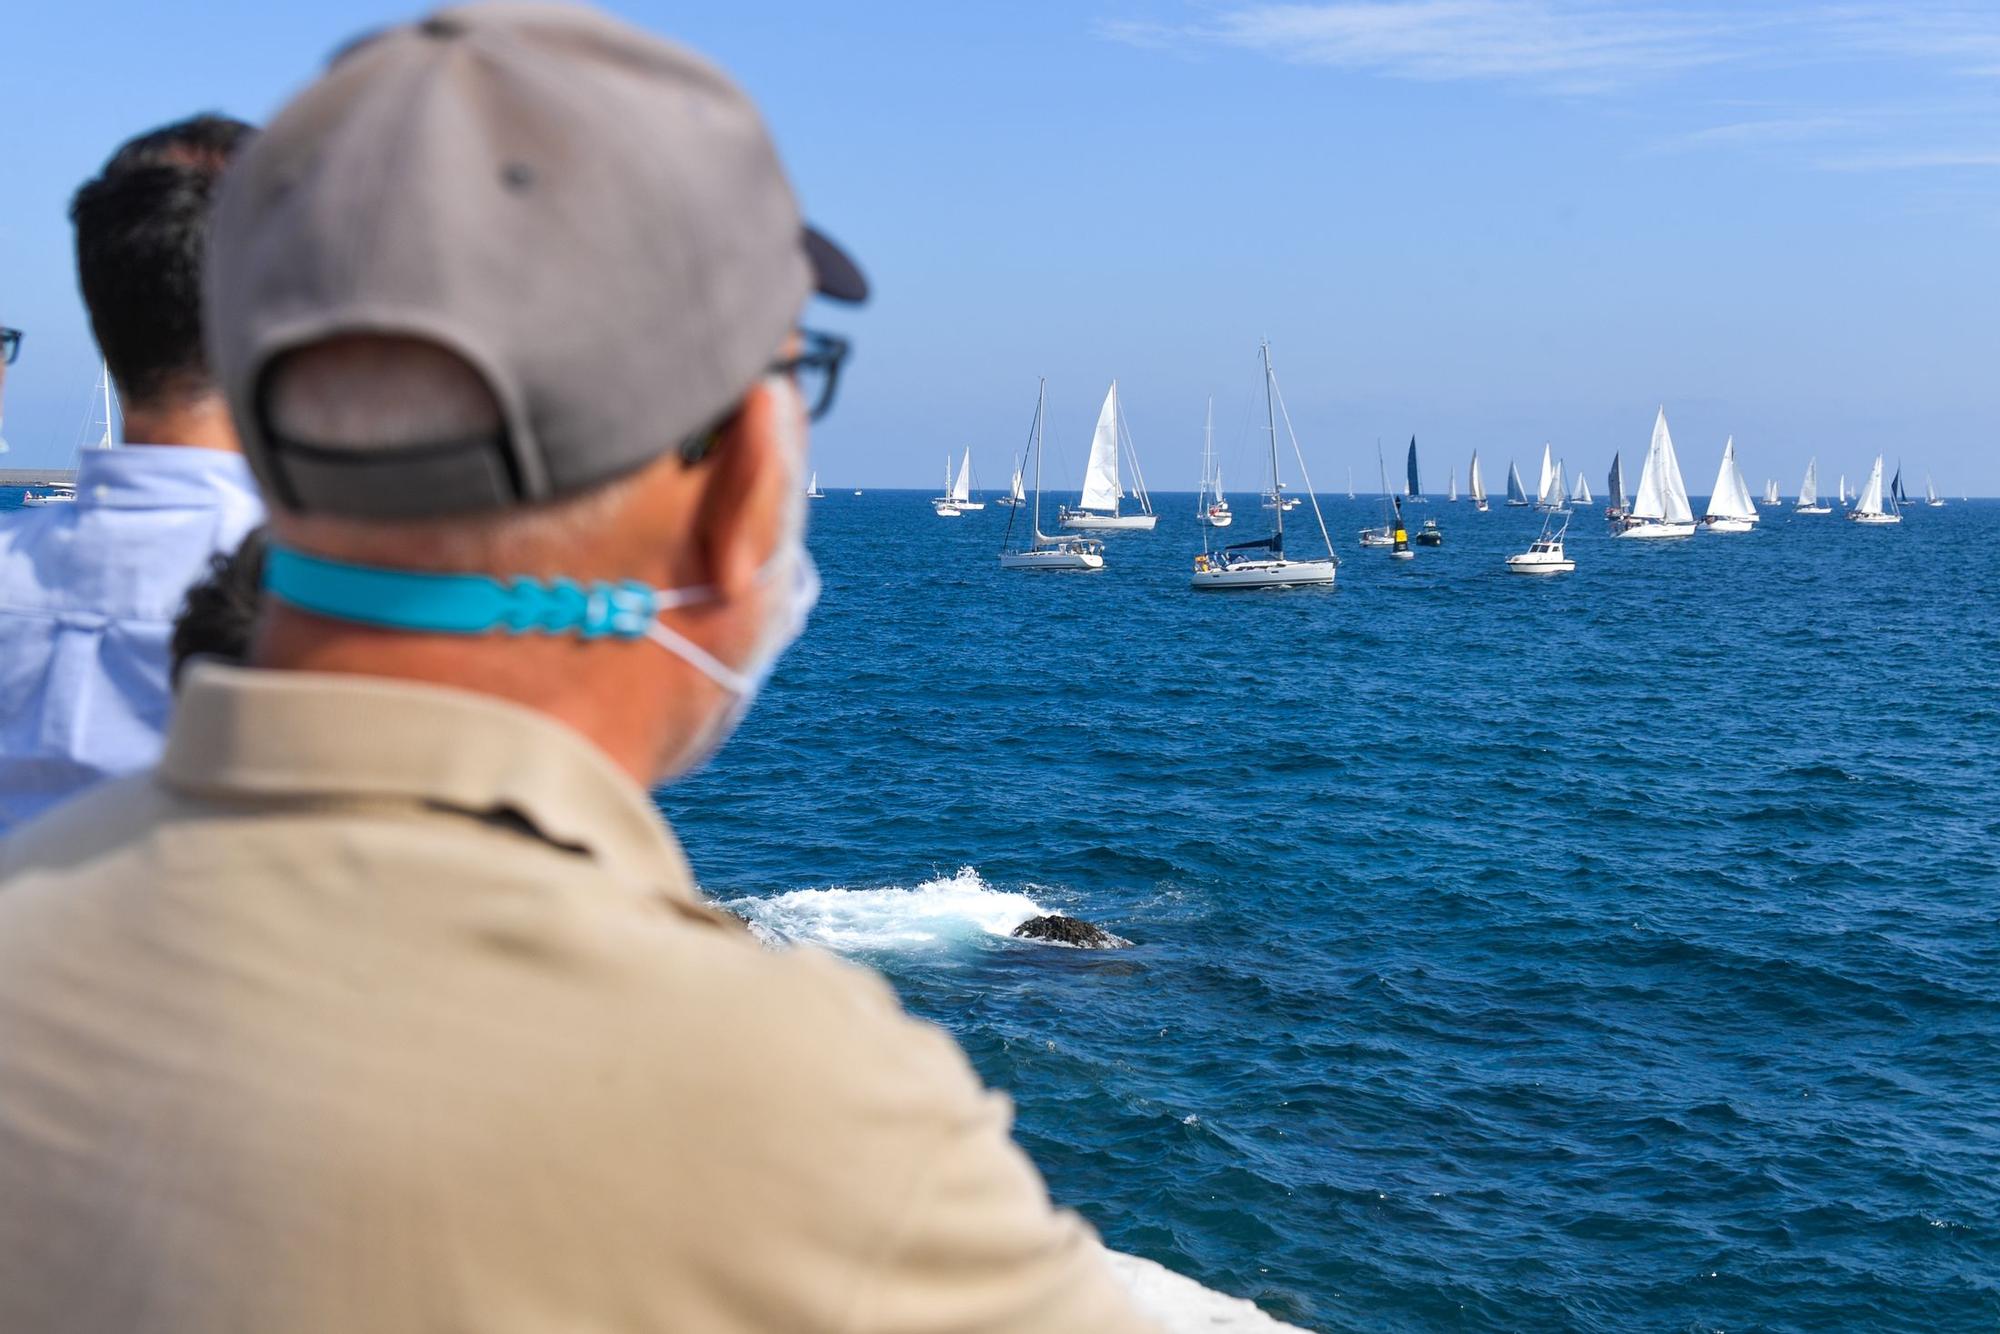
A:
x: 936, y: 912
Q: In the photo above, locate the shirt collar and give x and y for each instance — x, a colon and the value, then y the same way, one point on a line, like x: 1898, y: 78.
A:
x: 245, y: 731
x: 159, y: 476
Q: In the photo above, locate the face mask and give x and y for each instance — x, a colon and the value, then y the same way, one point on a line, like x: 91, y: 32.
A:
x: 475, y: 604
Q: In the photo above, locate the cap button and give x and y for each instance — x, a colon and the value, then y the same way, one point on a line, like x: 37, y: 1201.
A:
x: 441, y: 26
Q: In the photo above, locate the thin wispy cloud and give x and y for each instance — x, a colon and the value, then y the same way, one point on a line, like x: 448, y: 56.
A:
x: 1623, y: 48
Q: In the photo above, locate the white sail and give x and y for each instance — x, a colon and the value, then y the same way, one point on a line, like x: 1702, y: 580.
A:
x: 1843, y: 488
x: 1100, y: 483
x: 1581, y: 495
x: 1017, y: 492
x: 961, y: 489
x: 1662, y: 493
x: 1561, y: 493
x: 1549, y: 490
x: 1930, y: 490
x: 1454, y: 486
x: 1730, y: 497
x: 1770, y: 490
x: 1809, y: 488
x: 1871, y: 494
x: 1473, y: 482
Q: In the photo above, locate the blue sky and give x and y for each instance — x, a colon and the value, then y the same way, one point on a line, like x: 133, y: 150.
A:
x: 1486, y: 222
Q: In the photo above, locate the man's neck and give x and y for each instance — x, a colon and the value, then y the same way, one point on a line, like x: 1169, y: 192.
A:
x: 198, y: 423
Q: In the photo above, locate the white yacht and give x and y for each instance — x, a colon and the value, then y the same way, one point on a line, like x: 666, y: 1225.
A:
x: 1209, y: 505
x: 1474, y: 484
x: 1730, y: 509
x: 1809, y: 501
x: 1545, y: 554
x: 1097, y: 510
x: 1661, y: 508
x: 1263, y: 563
x: 1870, y: 507
x: 1931, y: 497
x: 812, y: 489
x: 1581, y: 494
x: 1042, y: 552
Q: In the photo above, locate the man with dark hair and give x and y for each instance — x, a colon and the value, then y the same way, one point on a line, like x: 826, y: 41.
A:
x: 89, y: 591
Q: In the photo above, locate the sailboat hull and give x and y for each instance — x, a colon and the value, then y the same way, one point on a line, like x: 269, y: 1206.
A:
x: 1222, y: 520
x: 945, y: 511
x: 1085, y: 522
x: 1728, y: 525
x: 1263, y: 574
x: 1813, y: 509
x: 1863, y: 516
x: 1653, y: 529
x: 1051, y: 558
x: 1479, y: 506
x: 1008, y: 502
x: 967, y: 506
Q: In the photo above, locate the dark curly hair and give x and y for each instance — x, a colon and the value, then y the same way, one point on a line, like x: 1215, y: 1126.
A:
x: 141, y: 229
x: 219, y: 616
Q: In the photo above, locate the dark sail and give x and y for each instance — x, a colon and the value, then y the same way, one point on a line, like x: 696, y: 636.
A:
x: 1415, y: 488
x: 1896, y: 486
x: 1616, y: 498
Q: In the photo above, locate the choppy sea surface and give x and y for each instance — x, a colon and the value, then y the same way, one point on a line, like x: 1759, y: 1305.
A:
x: 1614, y: 951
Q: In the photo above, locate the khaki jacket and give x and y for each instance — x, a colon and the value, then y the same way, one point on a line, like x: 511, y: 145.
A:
x: 381, y: 1007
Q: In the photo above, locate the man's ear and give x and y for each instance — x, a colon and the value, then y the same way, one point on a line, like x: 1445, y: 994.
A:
x: 742, y: 502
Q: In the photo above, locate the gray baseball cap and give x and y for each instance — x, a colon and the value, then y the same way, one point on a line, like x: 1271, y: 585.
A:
x: 593, y: 218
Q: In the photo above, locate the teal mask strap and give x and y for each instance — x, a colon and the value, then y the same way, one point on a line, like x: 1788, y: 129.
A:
x: 466, y: 604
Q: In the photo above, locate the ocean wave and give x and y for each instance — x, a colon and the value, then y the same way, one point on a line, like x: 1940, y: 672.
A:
x: 936, y: 912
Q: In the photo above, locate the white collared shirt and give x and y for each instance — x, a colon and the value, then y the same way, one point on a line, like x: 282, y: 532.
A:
x: 88, y: 596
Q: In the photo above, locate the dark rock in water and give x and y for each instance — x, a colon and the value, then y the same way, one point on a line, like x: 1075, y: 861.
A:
x: 1059, y: 930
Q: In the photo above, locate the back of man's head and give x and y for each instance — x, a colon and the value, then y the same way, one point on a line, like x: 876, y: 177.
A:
x: 141, y: 232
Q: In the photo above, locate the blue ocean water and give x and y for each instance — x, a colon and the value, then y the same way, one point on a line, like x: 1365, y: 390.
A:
x: 1611, y: 951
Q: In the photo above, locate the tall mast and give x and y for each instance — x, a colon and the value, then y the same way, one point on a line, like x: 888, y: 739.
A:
x: 104, y: 379
x: 1041, y: 398
x: 1271, y: 423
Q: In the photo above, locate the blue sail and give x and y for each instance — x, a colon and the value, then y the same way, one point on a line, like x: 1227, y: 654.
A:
x: 1416, y: 489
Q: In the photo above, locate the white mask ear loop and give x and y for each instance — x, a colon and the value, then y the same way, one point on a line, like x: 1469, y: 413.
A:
x: 678, y: 644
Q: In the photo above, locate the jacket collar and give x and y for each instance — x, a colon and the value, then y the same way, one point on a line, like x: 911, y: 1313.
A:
x: 276, y: 734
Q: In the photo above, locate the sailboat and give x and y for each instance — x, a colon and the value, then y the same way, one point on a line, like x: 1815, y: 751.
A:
x: 1043, y: 552
x: 64, y: 493
x: 1390, y: 534
x: 1580, y: 496
x: 1215, y: 513
x: 1097, y: 509
x: 1869, y: 508
x: 1931, y: 497
x: 1015, y: 497
x: 1350, y: 483
x: 1730, y: 509
x: 1771, y: 491
x: 1517, y: 495
x: 1414, y: 494
x: 944, y: 506
x: 1476, y: 485
x: 1809, y: 502
x: 1661, y: 508
x: 1614, y: 489
x: 1235, y: 566
x: 1549, y: 493
x: 1451, y: 488
x: 1896, y: 492
x: 961, y: 489
x: 812, y: 489
x: 1844, y: 498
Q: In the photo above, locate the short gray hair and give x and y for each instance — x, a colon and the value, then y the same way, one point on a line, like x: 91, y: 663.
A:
x: 386, y: 391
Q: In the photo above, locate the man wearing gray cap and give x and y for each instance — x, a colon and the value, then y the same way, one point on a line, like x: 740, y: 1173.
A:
x: 386, y: 1002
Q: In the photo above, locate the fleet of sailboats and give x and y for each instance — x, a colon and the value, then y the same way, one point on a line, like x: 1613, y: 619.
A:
x: 1661, y: 508
x: 1263, y: 563
x: 1100, y: 507
x: 1730, y: 509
